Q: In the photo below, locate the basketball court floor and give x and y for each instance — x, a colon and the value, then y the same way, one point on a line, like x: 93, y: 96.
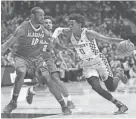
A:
x: 88, y: 103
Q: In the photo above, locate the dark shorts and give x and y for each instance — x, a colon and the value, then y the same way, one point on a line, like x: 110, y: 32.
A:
x: 51, y: 66
x: 34, y: 65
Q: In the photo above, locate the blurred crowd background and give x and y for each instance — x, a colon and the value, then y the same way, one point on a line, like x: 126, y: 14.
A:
x: 111, y: 18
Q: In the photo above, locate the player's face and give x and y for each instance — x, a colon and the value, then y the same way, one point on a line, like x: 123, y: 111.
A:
x: 48, y: 24
x: 39, y: 16
x: 74, y: 26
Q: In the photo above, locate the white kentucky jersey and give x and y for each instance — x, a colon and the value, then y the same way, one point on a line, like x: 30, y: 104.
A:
x: 84, y: 47
x: 89, y: 53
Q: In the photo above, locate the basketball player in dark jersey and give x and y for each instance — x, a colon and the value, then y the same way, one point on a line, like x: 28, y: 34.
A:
x: 28, y: 61
x: 50, y: 60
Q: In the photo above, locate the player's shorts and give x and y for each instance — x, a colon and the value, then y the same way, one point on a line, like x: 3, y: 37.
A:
x: 51, y: 65
x: 34, y: 65
x: 97, y: 66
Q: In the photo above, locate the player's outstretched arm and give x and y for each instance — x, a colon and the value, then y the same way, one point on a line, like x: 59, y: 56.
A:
x: 59, y: 31
x: 57, y: 45
x: 92, y: 34
x: 19, y: 32
x: 57, y: 38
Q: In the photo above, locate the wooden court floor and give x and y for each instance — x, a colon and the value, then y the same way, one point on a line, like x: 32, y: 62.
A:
x: 88, y: 104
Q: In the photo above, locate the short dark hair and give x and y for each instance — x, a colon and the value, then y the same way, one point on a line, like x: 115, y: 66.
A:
x: 48, y: 17
x: 34, y: 10
x: 78, y: 18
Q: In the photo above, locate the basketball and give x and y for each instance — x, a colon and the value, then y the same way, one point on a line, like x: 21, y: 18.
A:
x: 125, y: 48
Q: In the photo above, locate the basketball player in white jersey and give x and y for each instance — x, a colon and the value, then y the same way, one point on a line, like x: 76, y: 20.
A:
x: 50, y: 60
x: 94, y: 64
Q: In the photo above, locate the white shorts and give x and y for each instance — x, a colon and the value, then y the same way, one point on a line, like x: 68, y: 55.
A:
x: 97, y: 66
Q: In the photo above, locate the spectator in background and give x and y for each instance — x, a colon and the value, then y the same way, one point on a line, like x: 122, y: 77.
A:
x: 132, y: 72
x: 126, y: 66
x: 134, y: 57
x: 3, y: 61
x: 112, y: 22
x: 132, y: 63
x: 105, y: 51
x: 114, y: 63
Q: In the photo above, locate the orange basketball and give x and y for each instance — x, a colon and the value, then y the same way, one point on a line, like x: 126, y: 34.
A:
x: 125, y: 48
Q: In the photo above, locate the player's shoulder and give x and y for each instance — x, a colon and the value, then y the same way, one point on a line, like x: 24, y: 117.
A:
x: 45, y: 31
x: 20, y: 30
x: 24, y: 24
x: 42, y: 27
x: 89, y: 31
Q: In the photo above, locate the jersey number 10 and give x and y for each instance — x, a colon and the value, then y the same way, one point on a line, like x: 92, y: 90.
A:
x: 35, y: 41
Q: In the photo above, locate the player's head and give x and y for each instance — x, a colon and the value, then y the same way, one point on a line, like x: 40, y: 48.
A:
x: 37, y: 15
x: 76, y: 21
x: 48, y: 22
